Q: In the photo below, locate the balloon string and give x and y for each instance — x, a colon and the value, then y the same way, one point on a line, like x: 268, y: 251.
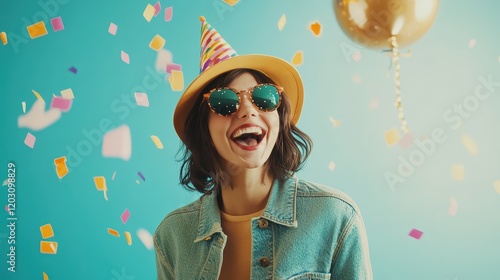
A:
x: 397, y: 84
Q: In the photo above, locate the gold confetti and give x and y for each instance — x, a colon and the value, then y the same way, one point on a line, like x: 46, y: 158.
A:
x: 128, y: 237
x: 47, y: 231
x: 38, y: 95
x: 3, y: 37
x: 100, y: 183
x: 231, y: 2
x: 149, y: 12
x: 48, y: 247
x: 282, y: 22
x: 470, y: 145
x: 392, y: 137
x: 157, y: 142
x: 457, y: 172
x: 37, y: 30
x: 45, y: 276
x: 297, y: 58
x: 157, y: 42
x: 176, y: 80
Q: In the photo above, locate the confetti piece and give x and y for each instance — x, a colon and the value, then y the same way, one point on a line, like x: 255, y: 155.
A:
x: 125, y: 57
x: 142, y: 176
x: 61, y: 167
x: 406, y: 141
x: 100, y: 183
x: 48, y: 247
x: 105, y: 195
x: 157, y: 142
x: 137, y: 181
x: 73, y: 69
x: 173, y: 66
x: 128, y: 237
x: 61, y: 103
x: 415, y: 233
x: 157, y: 7
x: 336, y: 123
x: 356, y: 56
x: 37, y: 30
x: 163, y: 59
x: 5, y: 182
x: 47, y: 231
x: 125, y: 215
x: 391, y: 137
x: 112, y: 29
x: 176, y: 80
x: 141, y: 98
x: 169, y: 12
x: 470, y: 145
x: 45, y: 276
x: 3, y: 37
x: 282, y: 22
x: 457, y: 172
x: 57, y: 24
x: 157, y: 42
x: 356, y: 79
x: 315, y: 28
x: 67, y: 94
x: 145, y: 238
x: 37, y: 118
x: 231, y: 2
x: 472, y: 43
x: 373, y: 103
x: 496, y: 186
x: 29, y: 140
x: 23, y: 104
x: 117, y: 143
x: 453, y: 208
x: 113, y: 232
x: 113, y: 177
x: 149, y: 12
x: 331, y: 165
x: 297, y: 58
x: 38, y: 96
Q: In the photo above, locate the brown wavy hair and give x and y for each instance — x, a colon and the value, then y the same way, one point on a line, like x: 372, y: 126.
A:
x: 201, y: 168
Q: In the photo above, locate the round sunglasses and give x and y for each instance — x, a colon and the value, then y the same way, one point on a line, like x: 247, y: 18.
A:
x: 226, y: 101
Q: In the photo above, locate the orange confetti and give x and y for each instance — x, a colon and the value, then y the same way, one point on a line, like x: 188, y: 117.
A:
x: 37, y: 30
x: 3, y: 37
x: 47, y: 231
x: 113, y: 232
x: 45, y: 276
x: 315, y: 28
x: 231, y: 2
x: 61, y: 167
x: 297, y: 58
x: 48, y: 247
x: 157, y: 42
x: 100, y: 183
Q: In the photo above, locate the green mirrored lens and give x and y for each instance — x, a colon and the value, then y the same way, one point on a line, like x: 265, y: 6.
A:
x: 224, y: 101
x: 266, y: 97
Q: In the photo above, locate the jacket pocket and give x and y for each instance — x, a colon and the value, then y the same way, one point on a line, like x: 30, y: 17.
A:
x: 311, y: 276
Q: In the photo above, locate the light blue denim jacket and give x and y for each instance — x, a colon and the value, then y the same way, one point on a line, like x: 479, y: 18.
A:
x: 307, y: 231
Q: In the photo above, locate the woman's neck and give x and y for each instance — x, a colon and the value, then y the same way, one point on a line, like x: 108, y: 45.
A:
x: 249, y: 192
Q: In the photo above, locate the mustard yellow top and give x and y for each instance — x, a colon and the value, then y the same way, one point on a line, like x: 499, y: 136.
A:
x: 238, y: 250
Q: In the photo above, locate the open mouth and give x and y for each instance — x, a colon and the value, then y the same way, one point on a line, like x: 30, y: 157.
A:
x: 248, y: 136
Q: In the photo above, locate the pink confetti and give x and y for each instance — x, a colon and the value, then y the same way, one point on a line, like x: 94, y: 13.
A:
x: 453, y: 208
x: 61, y: 103
x: 157, y: 7
x: 173, y: 66
x: 125, y: 215
x: 406, y: 141
x: 112, y: 28
x: 356, y: 56
x: 73, y: 69
x: 141, y: 98
x: 169, y: 12
x: 57, y: 24
x: 125, y: 57
x: 30, y: 140
x: 472, y: 43
x: 7, y: 208
x: 415, y: 233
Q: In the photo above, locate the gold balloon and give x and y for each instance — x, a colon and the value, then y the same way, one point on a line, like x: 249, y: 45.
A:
x: 372, y: 23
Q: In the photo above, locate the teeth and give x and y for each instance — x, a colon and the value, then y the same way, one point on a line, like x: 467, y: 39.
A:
x: 250, y: 129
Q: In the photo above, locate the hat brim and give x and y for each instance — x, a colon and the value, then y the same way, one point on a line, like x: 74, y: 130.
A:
x: 279, y: 70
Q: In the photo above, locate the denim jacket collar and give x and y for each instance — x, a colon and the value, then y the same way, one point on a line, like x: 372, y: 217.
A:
x: 280, y: 209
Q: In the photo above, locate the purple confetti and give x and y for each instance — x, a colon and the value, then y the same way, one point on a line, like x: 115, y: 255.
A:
x: 142, y: 176
x: 73, y: 69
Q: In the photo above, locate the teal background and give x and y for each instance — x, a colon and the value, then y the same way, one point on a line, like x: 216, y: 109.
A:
x: 442, y: 71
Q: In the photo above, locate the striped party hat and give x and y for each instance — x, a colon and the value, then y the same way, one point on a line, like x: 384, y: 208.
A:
x: 214, y: 48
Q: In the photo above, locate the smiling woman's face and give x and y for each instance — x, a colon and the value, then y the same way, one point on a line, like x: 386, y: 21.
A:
x: 247, y: 138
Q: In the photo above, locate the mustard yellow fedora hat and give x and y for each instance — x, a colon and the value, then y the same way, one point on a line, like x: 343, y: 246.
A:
x: 218, y: 57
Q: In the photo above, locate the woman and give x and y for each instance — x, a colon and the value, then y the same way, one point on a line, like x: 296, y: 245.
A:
x: 255, y: 220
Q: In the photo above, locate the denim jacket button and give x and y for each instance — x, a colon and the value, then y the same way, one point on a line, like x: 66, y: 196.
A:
x: 264, y: 261
x: 263, y: 223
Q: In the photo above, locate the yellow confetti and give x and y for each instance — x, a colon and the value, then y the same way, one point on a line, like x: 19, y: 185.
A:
x: 457, y: 172
x: 100, y: 183
x: 335, y: 122
x: 157, y: 42
x: 47, y: 231
x: 128, y: 237
x: 392, y: 137
x: 3, y: 37
x: 282, y: 22
x: 61, y: 167
x: 176, y: 80
x: 157, y: 142
x: 37, y: 95
x: 231, y: 2
x: 496, y: 186
x: 45, y: 276
x: 113, y: 232
x: 37, y: 30
x: 67, y: 94
x: 470, y: 144
x: 149, y: 12
x: 297, y: 58
x: 48, y: 247
x: 315, y: 28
